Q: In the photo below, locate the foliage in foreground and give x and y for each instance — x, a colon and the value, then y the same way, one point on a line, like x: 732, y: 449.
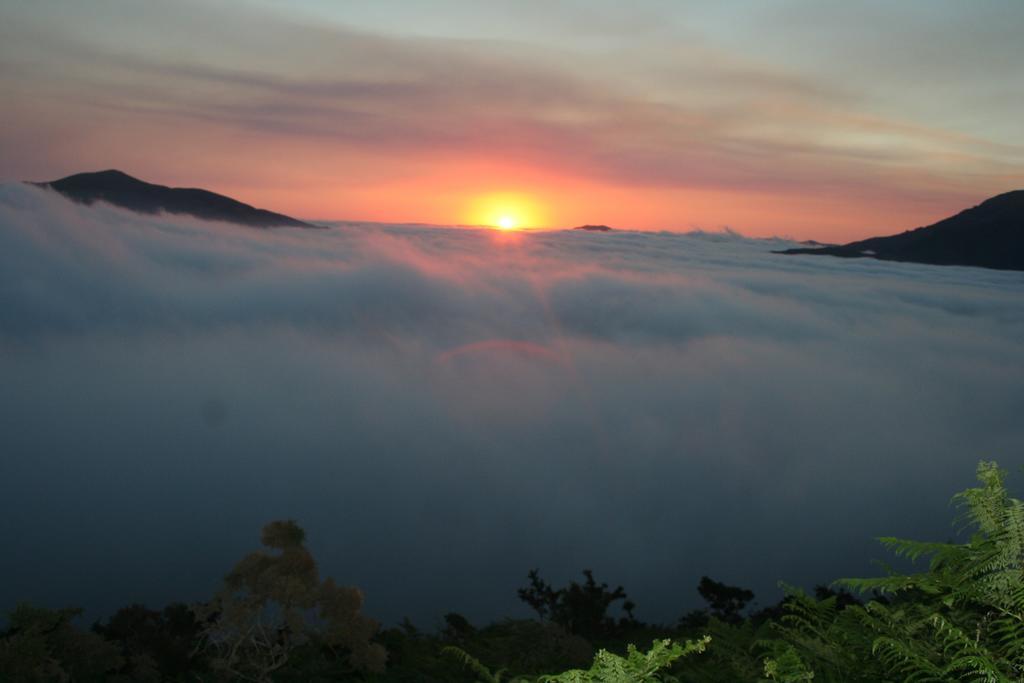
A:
x: 636, y: 666
x: 272, y: 605
x: 959, y: 619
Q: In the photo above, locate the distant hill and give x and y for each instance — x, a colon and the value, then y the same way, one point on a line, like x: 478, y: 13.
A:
x: 120, y: 189
x: 594, y: 228
x: 990, y: 235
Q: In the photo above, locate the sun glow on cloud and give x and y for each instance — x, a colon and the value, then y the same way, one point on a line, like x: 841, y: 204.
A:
x: 506, y: 211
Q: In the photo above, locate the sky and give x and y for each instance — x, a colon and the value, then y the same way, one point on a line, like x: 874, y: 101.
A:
x: 814, y: 120
x: 445, y: 409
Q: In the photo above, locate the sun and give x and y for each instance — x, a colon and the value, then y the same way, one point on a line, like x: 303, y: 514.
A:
x: 505, y: 211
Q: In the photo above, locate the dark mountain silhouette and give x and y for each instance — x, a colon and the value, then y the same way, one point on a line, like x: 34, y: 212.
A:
x: 990, y: 235
x: 120, y: 189
x: 594, y: 228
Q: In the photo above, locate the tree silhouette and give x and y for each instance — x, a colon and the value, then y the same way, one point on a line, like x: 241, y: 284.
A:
x: 272, y: 604
x: 581, y: 609
x: 154, y: 640
x: 726, y: 602
x: 43, y: 645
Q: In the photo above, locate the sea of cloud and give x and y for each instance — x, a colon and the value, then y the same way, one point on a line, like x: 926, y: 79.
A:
x: 444, y: 409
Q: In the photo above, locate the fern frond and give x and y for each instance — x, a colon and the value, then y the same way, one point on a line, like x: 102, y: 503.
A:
x: 787, y: 667
x: 635, y: 667
x: 983, y: 507
x: 472, y: 663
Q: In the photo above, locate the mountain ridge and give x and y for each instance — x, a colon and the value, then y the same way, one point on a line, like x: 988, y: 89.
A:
x: 120, y: 189
x: 988, y: 235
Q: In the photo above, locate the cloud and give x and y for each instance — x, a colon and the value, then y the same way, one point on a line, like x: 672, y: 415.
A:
x: 667, y: 113
x: 444, y: 409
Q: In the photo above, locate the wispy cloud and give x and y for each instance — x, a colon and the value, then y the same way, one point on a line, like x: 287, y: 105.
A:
x: 668, y: 115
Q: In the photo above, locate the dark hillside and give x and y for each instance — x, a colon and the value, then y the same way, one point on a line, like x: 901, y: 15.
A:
x: 120, y: 189
x: 990, y: 235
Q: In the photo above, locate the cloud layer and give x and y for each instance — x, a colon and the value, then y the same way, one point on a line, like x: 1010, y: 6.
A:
x: 444, y: 409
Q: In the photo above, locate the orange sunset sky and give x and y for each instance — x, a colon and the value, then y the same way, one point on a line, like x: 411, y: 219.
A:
x: 811, y: 120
